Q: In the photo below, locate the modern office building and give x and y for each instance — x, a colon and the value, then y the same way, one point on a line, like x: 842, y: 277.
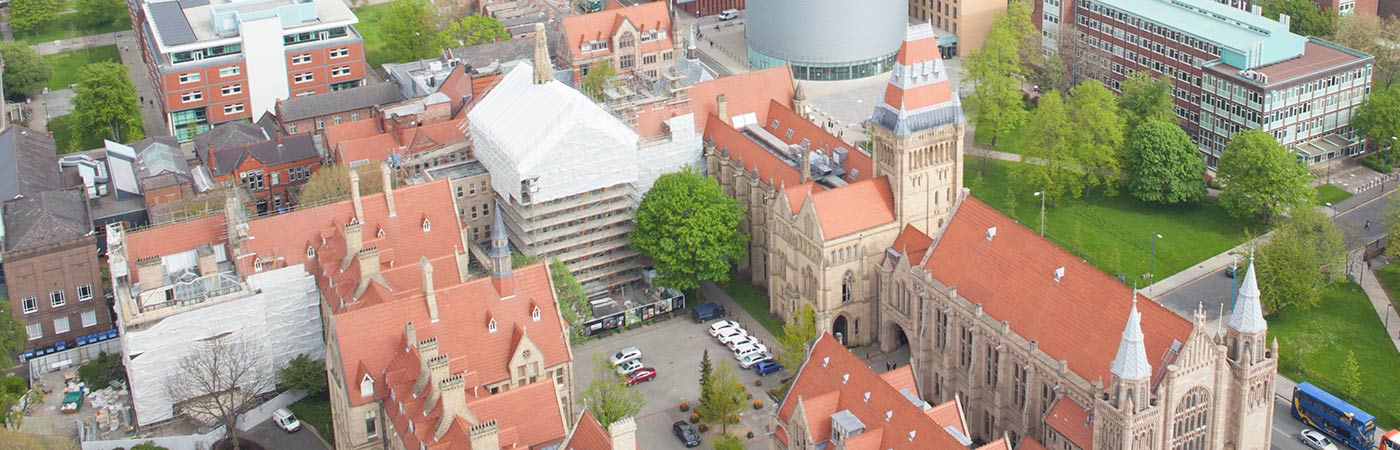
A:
x: 215, y: 61
x: 826, y: 39
x: 966, y: 21
x: 1230, y: 70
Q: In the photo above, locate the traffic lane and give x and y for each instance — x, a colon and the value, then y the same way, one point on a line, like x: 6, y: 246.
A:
x: 1365, y: 220
x: 1211, y: 292
x: 273, y: 438
x: 1286, y: 429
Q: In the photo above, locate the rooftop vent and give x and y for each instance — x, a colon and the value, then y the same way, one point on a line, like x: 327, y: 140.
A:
x: 991, y: 233
x: 845, y: 377
x: 826, y: 360
x: 1059, y: 273
x: 889, y: 415
x: 867, y: 396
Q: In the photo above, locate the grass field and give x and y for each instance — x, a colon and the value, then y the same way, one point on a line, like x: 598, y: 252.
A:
x: 65, y: 65
x: 1390, y: 278
x: 1114, y: 233
x: 65, y: 132
x: 369, y: 28
x: 1331, y: 194
x: 1010, y: 143
x: 67, y: 26
x: 315, y: 410
x: 755, y: 302
x: 1310, y: 344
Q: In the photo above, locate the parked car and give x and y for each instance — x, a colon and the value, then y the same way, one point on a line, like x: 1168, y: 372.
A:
x: 708, y: 311
x: 686, y: 434
x: 285, y: 420
x: 746, y: 350
x: 1313, y: 438
x: 624, y: 355
x: 754, y: 358
x: 733, y: 334
x: 722, y: 326
x: 1230, y: 271
x: 629, y: 367
x: 728, y: 14
x: 766, y: 367
x: 641, y: 375
x: 751, y: 340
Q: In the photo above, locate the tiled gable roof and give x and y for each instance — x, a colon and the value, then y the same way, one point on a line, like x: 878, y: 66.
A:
x: 1071, y: 419
x: 1029, y: 443
x: 300, y: 108
x: 588, y: 435
x: 27, y: 162
x: 782, y: 118
x: 771, y: 169
x: 746, y: 93
x: 854, y: 207
x: 601, y: 25
x: 1078, y: 319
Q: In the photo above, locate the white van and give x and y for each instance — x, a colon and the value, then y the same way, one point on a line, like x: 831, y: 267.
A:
x: 729, y: 14
x: 285, y: 420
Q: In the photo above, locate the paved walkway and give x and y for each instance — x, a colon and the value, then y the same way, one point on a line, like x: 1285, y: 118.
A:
x: 1381, y: 302
x: 80, y: 42
x: 151, y: 114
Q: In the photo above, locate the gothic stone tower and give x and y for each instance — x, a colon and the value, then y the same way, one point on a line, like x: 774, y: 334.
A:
x: 1252, y: 370
x: 1129, y: 418
x: 917, y: 134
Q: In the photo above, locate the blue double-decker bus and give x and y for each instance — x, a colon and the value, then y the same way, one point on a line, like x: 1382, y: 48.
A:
x: 1344, y: 423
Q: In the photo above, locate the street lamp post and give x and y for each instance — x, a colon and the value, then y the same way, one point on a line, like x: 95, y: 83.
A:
x: 1334, y: 210
x: 1234, y: 263
x: 1152, y: 262
x: 1042, y: 196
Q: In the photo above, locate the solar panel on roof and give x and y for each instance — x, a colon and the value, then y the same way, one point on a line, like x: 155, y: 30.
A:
x: 170, y: 22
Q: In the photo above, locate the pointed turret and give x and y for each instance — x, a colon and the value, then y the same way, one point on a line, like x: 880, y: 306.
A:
x: 544, y: 68
x: 500, y: 257
x: 1131, y: 362
x: 919, y: 95
x: 799, y: 100
x: 1248, y: 316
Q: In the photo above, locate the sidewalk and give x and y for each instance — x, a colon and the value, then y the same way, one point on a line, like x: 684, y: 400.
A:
x: 151, y: 115
x: 78, y: 43
x: 1381, y: 302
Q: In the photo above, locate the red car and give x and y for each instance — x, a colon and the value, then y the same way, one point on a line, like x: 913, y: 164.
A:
x: 641, y: 375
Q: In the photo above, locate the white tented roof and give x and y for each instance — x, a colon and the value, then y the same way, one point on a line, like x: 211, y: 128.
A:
x: 552, y: 134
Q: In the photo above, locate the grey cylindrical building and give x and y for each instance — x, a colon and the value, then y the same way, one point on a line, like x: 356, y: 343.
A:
x: 826, y: 39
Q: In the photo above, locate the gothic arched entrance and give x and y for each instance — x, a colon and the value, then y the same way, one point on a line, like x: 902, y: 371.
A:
x: 838, y: 329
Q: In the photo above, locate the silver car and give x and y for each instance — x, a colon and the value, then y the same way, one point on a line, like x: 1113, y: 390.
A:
x: 754, y: 358
x: 1313, y: 438
x: 624, y: 355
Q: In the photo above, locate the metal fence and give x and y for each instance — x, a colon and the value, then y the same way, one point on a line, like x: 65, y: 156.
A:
x: 72, y: 357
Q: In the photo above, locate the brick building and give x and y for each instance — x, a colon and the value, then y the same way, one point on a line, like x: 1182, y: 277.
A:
x: 311, y: 114
x: 52, y: 274
x: 634, y: 39
x: 471, y: 186
x: 215, y: 61
x: 269, y: 165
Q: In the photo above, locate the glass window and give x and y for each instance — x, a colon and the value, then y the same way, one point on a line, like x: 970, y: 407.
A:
x: 189, y: 77
x: 34, y: 330
x: 229, y: 71
x: 56, y: 299
x: 84, y: 292
x: 233, y: 109
x: 60, y: 325
x: 192, y: 96
x: 301, y: 59
x: 89, y: 318
x: 232, y: 89
x: 30, y: 304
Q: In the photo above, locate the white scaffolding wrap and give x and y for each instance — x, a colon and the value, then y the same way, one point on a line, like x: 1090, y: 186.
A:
x: 551, y: 134
x: 283, y: 315
x: 684, y: 148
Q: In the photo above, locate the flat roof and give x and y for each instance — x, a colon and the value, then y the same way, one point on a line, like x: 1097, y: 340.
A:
x: 462, y: 170
x: 1221, y: 24
x: 1318, y: 56
x: 190, y: 21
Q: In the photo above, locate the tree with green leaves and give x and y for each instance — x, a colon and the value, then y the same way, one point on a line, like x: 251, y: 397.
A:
x: 12, y: 336
x: 573, y: 301
x: 472, y: 30
x: 101, y: 12
x: 1051, y: 167
x: 148, y: 445
x: 1096, y: 134
x: 726, y: 397
x: 332, y: 183
x: 26, y: 16
x: 996, y: 71
x: 407, y: 24
x: 799, y: 332
x: 1262, y: 179
x: 103, y: 370
x: 1304, y: 255
x: 105, y: 104
x: 1351, y: 376
x: 1390, y: 219
x: 1378, y: 117
x: 1164, y: 166
x: 1305, y: 17
x: 12, y: 389
x: 608, y: 397
x: 690, y: 229
x: 25, y: 72
x: 1144, y: 98
x: 304, y: 374
x: 706, y: 369
x: 728, y: 442
x: 597, y: 78
x: 1370, y: 34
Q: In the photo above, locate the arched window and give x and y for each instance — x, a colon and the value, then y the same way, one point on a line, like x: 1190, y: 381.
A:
x: 1191, y: 420
x: 626, y: 41
x: 848, y: 287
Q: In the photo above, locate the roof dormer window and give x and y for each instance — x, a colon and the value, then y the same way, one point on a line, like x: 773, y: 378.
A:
x: 310, y: 251
x: 367, y: 386
x: 427, y: 226
x: 535, y: 314
x: 491, y: 326
x: 380, y: 233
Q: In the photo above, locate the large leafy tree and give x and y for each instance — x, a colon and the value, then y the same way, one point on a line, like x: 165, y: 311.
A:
x: 1145, y: 98
x: 1303, y: 256
x: 1371, y: 35
x: 1052, y: 168
x: 29, y: 15
x: 1164, y: 166
x: 304, y: 374
x: 996, y: 71
x: 101, y: 12
x: 1305, y: 17
x: 1378, y: 118
x: 707, y: 368
x: 12, y: 389
x: 12, y: 337
x: 799, y: 332
x: 407, y: 25
x: 1096, y: 133
x: 607, y: 397
x: 690, y: 229
x: 25, y: 71
x: 1263, y: 180
x: 332, y: 183
x: 726, y: 396
x: 473, y: 30
x: 597, y: 78
x: 573, y: 301
x: 105, y: 103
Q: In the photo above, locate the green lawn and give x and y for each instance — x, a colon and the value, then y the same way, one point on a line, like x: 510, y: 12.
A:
x: 65, y: 133
x: 65, y: 65
x: 1390, y: 278
x: 67, y: 26
x: 1010, y: 143
x: 315, y: 410
x: 1331, y: 194
x: 1114, y: 233
x: 369, y: 28
x: 755, y: 302
x: 1310, y: 344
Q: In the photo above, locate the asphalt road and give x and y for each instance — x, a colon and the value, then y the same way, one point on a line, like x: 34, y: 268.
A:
x: 1286, y: 428
x: 273, y: 438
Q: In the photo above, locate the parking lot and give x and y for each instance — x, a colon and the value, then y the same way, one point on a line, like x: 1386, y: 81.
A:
x: 674, y: 348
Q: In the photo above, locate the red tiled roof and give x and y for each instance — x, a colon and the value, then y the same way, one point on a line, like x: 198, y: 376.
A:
x: 377, y: 148
x: 456, y: 87
x: 770, y: 167
x: 1079, y: 319
x: 918, y: 97
x: 833, y: 380
x: 359, y: 129
x: 746, y: 93
x: 588, y: 435
x: 602, y: 24
x: 527, y: 417
x: 171, y: 239
x: 1029, y: 443
x: 854, y: 207
x: 817, y: 137
x: 949, y: 414
x: 918, y: 50
x: 912, y: 242
x: 1070, y: 419
x: 1000, y: 444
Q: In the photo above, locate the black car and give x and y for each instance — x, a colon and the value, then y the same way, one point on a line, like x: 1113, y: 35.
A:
x: 686, y: 434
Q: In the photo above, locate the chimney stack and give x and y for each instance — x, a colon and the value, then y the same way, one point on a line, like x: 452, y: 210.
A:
x: 722, y: 108
x: 150, y: 273
x: 544, y: 68
x: 354, y: 241
x: 427, y: 354
x: 454, y: 405
x: 1285, y: 20
x: 437, y: 373
x: 369, y: 271
x: 385, y: 172
x: 428, y: 293
x: 485, y: 435
x: 355, y: 196
x: 410, y: 336
x: 623, y: 434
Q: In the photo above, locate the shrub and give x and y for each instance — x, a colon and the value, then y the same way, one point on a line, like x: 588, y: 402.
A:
x: 102, y: 371
x: 750, y: 435
x: 758, y: 382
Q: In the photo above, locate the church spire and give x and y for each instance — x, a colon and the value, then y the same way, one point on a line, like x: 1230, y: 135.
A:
x: 544, y: 68
x: 1131, y: 362
x: 1248, y: 315
x: 500, y: 257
